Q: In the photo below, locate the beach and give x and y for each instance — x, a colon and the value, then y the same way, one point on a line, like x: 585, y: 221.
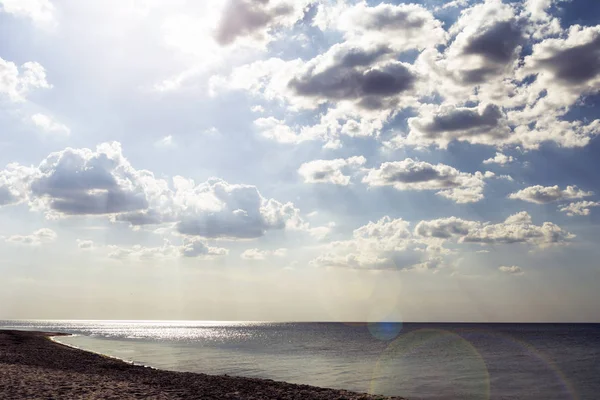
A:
x: 34, y: 367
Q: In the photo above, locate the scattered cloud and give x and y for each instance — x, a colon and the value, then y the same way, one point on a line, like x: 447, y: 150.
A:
x: 547, y: 194
x: 500, y: 159
x: 37, y: 238
x: 579, y: 208
x: 49, y: 125
x: 512, y: 270
x: 165, y: 143
x: 16, y: 83
x: 256, y: 254
x: 85, y: 244
x: 330, y: 171
x: 449, y: 182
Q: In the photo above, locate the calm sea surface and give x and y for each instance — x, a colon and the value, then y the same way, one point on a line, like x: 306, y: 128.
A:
x: 418, y: 361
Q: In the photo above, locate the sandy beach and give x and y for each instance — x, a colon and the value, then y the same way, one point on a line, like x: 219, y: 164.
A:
x: 34, y: 367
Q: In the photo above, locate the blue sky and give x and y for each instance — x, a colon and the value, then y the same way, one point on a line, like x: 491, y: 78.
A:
x: 299, y: 160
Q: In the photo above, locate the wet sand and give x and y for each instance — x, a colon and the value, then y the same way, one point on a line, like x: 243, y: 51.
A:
x: 34, y: 367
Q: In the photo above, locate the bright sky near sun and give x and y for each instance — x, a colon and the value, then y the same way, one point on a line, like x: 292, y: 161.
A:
x: 300, y: 160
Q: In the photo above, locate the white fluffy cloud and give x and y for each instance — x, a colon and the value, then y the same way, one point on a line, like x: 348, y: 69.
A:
x: 500, y: 158
x: 85, y: 244
x: 512, y: 270
x: 518, y: 228
x: 330, y: 171
x: 579, y: 208
x: 38, y: 237
x: 16, y: 82
x: 191, y: 248
x: 449, y: 182
x: 390, y: 244
x: 49, y: 125
x: 547, y: 194
x: 102, y: 182
x: 257, y: 254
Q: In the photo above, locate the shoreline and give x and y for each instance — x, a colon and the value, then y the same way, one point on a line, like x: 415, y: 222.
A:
x: 33, y: 365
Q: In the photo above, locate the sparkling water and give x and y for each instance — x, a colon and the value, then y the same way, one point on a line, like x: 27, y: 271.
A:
x: 418, y: 361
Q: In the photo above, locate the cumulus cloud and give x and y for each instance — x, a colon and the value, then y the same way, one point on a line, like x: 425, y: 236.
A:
x: 16, y: 82
x: 517, y: 228
x: 49, y: 125
x: 330, y: 171
x: 449, y: 182
x: 500, y: 159
x: 256, y: 254
x: 256, y: 18
x: 14, y: 183
x: 512, y: 270
x: 547, y: 194
x: 391, y: 244
x: 579, y: 208
x: 401, y: 26
x: 191, y: 248
x: 38, y: 237
x: 485, y: 124
x: 85, y: 244
x: 39, y: 11
x: 75, y: 182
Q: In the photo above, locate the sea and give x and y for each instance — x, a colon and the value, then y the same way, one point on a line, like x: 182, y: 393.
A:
x: 413, y: 360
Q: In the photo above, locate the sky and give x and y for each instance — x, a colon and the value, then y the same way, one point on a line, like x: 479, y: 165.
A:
x: 300, y: 160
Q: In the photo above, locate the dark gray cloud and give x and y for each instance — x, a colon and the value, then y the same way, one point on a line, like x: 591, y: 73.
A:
x: 575, y: 65
x: 246, y: 17
x: 82, y: 182
x: 498, y: 43
x: 140, y: 218
x: 463, y: 120
x: 342, y: 81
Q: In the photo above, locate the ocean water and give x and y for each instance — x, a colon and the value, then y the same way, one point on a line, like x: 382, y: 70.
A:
x: 417, y: 361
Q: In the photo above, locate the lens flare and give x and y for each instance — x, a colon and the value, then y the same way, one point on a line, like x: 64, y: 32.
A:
x: 427, y: 356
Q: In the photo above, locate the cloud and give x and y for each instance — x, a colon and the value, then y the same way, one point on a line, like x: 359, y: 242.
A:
x: 485, y: 124
x: 517, y: 228
x: 547, y: 194
x: 85, y: 244
x: 38, y: 237
x: 402, y: 26
x: 256, y: 254
x: 77, y: 182
x: 330, y: 171
x: 49, y: 125
x: 500, y: 159
x: 86, y: 182
x: 196, y: 248
x: 390, y: 243
x: 256, y: 19
x: 349, y: 73
x: 16, y: 83
x: 445, y: 228
x: 14, y: 183
x: 512, y: 270
x: 39, y: 11
x: 165, y: 143
x: 487, y: 41
x: 579, y: 208
x: 449, y: 182
x: 191, y: 248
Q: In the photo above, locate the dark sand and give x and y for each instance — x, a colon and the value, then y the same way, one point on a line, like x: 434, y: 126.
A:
x: 34, y: 367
